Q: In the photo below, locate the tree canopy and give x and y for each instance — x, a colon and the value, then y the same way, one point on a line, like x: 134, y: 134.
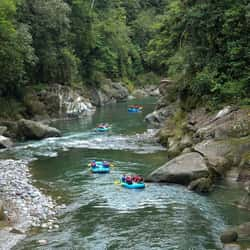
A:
x: 203, y: 45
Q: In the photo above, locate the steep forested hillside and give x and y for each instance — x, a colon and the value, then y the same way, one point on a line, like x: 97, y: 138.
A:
x: 203, y: 45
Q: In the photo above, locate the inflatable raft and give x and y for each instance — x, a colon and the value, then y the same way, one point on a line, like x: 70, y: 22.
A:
x: 134, y: 185
x: 135, y: 108
x: 102, y: 129
x: 100, y: 167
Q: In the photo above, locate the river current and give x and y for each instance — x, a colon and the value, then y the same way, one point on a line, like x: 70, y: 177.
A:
x: 101, y: 215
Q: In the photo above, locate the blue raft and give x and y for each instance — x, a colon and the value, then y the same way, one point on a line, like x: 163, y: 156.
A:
x: 134, y: 110
x: 102, y: 129
x: 100, y: 167
x: 133, y: 185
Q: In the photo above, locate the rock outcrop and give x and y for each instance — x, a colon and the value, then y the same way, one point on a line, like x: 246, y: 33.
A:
x: 108, y: 92
x: 157, y: 117
x: 221, y: 139
x: 31, y: 130
x: 147, y: 90
x: 63, y: 101
x: 181, y: 170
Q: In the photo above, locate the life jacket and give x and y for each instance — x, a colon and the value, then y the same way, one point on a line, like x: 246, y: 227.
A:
x: 129, y: 179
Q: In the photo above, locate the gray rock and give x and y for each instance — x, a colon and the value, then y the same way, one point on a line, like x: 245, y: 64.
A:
x: 186, y: 141
x: 42, y: 242
x: 217, y: 153
x: 157, y: 117
x: 31, y: 130
x: 109, y: 92
x: 174, y: 147
x: 2, y: 215
x: 17, y: 231
x: 243, y: 231
x: 181, y: 170
x: 225, y: 124
x: 202, y: 185
x: 5, y: 142
x: 232, y: 247
x: 229, y: 236
x: 63, y: 101
x: 138, y: 93
x: 3, y: 129
x: 186, y: 150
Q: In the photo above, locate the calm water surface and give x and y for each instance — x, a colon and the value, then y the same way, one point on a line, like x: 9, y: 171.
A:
x: 102, y: 215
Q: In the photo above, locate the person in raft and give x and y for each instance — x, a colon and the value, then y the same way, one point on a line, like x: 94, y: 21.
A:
x: 137, y: 179
x: 101, y: 125
x: 132, y: 179
x: 129, y: 179
x: 106, y: 164
x: 93, y: 163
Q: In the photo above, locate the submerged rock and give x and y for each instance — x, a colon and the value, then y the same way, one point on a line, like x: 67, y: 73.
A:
x: 181, y: 170
x: 31, y: 130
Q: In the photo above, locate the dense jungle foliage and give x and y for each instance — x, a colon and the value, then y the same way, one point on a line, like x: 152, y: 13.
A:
x: 203, y: 45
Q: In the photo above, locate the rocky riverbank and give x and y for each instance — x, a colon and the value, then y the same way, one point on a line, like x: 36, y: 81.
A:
x: 203, y: 146
x: 21, y: 204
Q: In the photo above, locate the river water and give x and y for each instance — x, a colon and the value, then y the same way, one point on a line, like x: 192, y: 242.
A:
x: 102, y: 215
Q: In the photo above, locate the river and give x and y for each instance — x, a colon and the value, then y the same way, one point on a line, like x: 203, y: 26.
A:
x: 102, y: 215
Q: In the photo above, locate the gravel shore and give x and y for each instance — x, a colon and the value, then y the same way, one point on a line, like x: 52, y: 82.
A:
x: 24, y: 205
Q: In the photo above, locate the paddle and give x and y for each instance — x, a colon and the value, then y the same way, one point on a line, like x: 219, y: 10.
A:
x: 117, y: 182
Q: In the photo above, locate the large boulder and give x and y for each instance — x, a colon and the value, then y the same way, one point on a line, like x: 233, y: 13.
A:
x: 31, y: 130
x: 5, y: 142
x: 181, y: 170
